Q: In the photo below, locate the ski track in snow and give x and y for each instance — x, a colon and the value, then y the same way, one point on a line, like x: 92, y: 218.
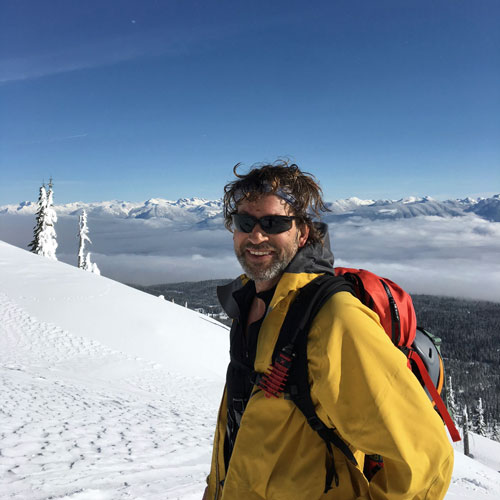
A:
x: 81, y: 421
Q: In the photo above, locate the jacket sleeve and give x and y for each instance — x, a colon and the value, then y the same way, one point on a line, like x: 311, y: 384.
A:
x: 363, y: 387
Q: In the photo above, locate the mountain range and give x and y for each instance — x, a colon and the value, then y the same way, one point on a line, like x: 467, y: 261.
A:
x: 208, y: 212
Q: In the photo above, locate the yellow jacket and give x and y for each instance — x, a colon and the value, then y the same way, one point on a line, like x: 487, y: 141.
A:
x: 361, y: 385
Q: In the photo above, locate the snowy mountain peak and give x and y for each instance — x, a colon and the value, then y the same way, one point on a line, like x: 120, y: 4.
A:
x: 191, y: 201
x: 359, y: 201
x: 26, y: 204
x: 410, y: 199
x: 468, y: 200
x: 415, y: 199
x: 153, y: 201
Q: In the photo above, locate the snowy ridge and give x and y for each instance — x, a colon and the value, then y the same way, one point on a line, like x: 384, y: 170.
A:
x: 191, y: 210
x: 487, y: 208
x: 201, y: 211
x: 110, y: 394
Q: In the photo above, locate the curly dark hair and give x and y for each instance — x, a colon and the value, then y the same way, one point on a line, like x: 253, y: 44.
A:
x: 303, y: 193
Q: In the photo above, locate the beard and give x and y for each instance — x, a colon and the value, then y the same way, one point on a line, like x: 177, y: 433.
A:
x: 281, y: 257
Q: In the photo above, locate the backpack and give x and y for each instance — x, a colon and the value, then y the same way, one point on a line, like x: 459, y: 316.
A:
x: 289, y: 373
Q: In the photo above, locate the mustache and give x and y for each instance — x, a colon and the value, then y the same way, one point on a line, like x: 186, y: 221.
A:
x: 259, y: 248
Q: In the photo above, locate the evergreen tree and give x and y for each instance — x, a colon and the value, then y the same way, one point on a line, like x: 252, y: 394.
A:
x: 44, y: 240
x: 84, y: 237
x: 479, y: 424
x: 48, y: 236
x: 452, y: 402
x: 465, y: 427
x: 495, y: 435
x: 84, y: 261
x: 34, y: 246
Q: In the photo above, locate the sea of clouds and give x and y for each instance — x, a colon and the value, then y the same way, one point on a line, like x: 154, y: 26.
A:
x: 456, y: 256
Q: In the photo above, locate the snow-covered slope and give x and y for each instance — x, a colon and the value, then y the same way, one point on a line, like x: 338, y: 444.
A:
x: 477, y: 477
x: 107, y: 392
x: 110, y: 394
x: 108, y: 312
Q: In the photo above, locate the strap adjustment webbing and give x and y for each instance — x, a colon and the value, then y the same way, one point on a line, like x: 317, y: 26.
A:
x: 436, y: 398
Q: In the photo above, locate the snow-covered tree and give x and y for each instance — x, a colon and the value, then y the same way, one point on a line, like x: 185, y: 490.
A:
x: 34, y: 246
x: 84, y: 261
x: 84, y: 237
x: 465, y: 427
x: 91, y: 266
x: 452, y: 402
x: 479, y: 425
x: 495, y: 433
x: 44, y: 239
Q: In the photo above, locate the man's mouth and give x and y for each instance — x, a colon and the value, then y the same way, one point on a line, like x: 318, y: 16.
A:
x: 259, y: 252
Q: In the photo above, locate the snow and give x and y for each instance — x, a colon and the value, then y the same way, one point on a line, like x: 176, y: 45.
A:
x: 474, y: 480
x: 483, y: 450
x: 109, y: 393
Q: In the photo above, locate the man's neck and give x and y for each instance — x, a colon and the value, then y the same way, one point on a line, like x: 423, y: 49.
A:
x: 262, y: 286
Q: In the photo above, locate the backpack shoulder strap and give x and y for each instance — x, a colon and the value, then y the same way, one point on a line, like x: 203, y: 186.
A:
x: 306, y: 305
x: 294, y: 332
x: 295, y: 329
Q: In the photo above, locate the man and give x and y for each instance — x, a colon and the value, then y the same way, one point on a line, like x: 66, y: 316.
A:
x: 360, y: 383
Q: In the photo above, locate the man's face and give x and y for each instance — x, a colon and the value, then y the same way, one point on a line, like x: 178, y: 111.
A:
x: 264, y: 256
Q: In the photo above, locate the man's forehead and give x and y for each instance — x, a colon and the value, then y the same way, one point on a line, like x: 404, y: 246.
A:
x: 268, y: 203
x: 284, y: 192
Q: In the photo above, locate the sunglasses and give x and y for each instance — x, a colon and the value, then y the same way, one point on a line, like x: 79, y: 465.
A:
x: 271, y: 224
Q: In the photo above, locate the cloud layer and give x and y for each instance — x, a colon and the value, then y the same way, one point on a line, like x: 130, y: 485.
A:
x: 435, y: 255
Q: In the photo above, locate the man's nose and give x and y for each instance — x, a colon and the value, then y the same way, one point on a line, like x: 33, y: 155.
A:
x: 257, y: 235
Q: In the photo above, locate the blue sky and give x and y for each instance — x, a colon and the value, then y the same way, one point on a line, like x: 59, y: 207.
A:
x: 138, y: 99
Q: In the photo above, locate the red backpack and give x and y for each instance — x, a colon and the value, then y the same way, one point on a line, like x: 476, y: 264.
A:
x: 392, y: 304
x: 397, y: 316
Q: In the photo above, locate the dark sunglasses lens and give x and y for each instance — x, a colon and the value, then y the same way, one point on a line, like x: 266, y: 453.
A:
x: 271, y: 224
x: 244, y: 223
x: 274, y: 224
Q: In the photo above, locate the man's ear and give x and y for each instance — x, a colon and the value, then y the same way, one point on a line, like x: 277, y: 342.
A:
x: 303, y: 234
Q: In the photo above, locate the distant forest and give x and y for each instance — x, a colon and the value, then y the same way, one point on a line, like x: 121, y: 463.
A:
x: 469, y: 329
x: 470, y: 333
